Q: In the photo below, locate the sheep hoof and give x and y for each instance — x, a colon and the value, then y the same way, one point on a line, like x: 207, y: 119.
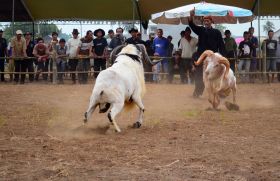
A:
x: 230, y: 106
x: 137, y: 125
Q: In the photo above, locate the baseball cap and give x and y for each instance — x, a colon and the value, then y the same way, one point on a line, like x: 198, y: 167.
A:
x: 19, y: 32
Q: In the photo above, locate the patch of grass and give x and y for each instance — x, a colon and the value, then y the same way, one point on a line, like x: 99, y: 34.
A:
x: 2, y: 121
x: 192, y: 113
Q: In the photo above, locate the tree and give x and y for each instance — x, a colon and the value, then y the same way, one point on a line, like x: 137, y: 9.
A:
x: 41, y: 29
x: 268, y: 26
x: 221, y: 28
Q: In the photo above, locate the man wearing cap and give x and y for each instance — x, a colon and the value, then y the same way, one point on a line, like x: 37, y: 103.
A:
x: 187, y: 47
x: 209, y: 38
x: 134, y: 39
x: 3, y: 53
x: 99, y: 51
x: 18, y: 45
x: 73, y: 44
x: 230, y: 47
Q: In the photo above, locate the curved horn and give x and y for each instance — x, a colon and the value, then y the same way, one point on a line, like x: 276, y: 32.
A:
x: 144, y: 53
x: 225, y: 61
x: 114, y: 52
x: 202, y: 57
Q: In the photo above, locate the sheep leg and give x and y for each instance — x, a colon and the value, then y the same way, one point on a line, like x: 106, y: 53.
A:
x: 139, y: 103
x: 91, y: 108
x: 234, y: 95
x: 116, y: 109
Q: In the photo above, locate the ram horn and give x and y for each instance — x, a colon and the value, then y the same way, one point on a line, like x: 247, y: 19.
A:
x: 115, y: 52
x: 202, y: 57
x: 225, y: 61
x: 143, y: 50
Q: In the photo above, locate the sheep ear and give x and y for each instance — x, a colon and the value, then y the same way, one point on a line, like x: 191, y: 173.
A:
x: 225, y: 61
x: 203, y: 56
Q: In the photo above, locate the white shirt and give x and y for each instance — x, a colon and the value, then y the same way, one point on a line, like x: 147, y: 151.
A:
x: 188, y: 47
x: 72, y: 45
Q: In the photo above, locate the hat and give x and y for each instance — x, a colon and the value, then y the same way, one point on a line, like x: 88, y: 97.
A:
x: 1, y: 31
x: 19, y: 32
x: 96, y: 31
x: 54, y: 33
x: 75, y: 31
x: 227, y: 32
x: 188, y: 29
x: 208, y: 17
x: 133, y: 30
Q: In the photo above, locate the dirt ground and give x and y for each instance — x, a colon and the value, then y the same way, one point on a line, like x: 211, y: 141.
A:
x: 42, y: 137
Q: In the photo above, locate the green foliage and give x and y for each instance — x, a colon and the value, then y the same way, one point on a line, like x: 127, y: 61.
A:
x: 268, y: 26
x: 41, y: 29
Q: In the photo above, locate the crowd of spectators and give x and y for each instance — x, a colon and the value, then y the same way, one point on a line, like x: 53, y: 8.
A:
x: 36, y: 58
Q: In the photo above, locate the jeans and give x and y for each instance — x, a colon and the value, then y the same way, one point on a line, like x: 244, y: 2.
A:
x: 42, y: 67
x: 60, y: 68
x: 99, y: 64
x: 27, y: 64
x: 247, y: 64
x: 73, y: 67
x: 270, y: 64
x: 83, y: 66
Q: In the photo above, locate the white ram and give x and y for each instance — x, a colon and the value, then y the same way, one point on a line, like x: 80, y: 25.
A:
x: 218, y: 78
x: 121, y: 85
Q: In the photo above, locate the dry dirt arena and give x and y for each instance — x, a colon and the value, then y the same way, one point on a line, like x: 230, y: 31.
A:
x: 42, y: 137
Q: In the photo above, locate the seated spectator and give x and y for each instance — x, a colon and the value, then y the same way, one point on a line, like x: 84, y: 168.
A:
x: 41, y: 51
x: 61, y: 60
x: 177, y: 66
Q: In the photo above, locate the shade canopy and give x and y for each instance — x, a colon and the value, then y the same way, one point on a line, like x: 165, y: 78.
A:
x: 112, y: 10
x: 219, y: 13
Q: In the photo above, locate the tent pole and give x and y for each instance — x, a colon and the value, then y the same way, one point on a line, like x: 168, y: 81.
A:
x: 259, y: 35
x: 139, y: 14
x: 133, y: 12
x: 13, y: 18
x: 33, y: 30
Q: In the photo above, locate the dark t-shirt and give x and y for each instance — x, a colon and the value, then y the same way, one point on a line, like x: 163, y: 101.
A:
x: 271, y: 47
x: 246, y: 48
x: 29, y: 49
x: 3, y: 46
x: 99, y: 45
x: 135, y: 41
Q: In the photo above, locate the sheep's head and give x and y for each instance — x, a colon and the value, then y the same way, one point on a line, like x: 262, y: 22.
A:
x: 214, y: 64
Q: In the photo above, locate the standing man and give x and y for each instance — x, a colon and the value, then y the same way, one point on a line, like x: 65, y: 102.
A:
x: 187, y: 48
x: 110, y: 36
x: 118, y: 39
x: 150, y: 52
x: 72, y: 47
x: 84, y: 52
x: 27, y: 64
x: 3, y: 53
x: 209, y: 38
x: 134, y: 39
x: 254, y: 62
x: 230, y: 46
x: 278, y: 59
x: 271, y: 47
x: 52, y: 50
x: 18, y: 45
x: 160, y: 46
x: 99, y: 51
